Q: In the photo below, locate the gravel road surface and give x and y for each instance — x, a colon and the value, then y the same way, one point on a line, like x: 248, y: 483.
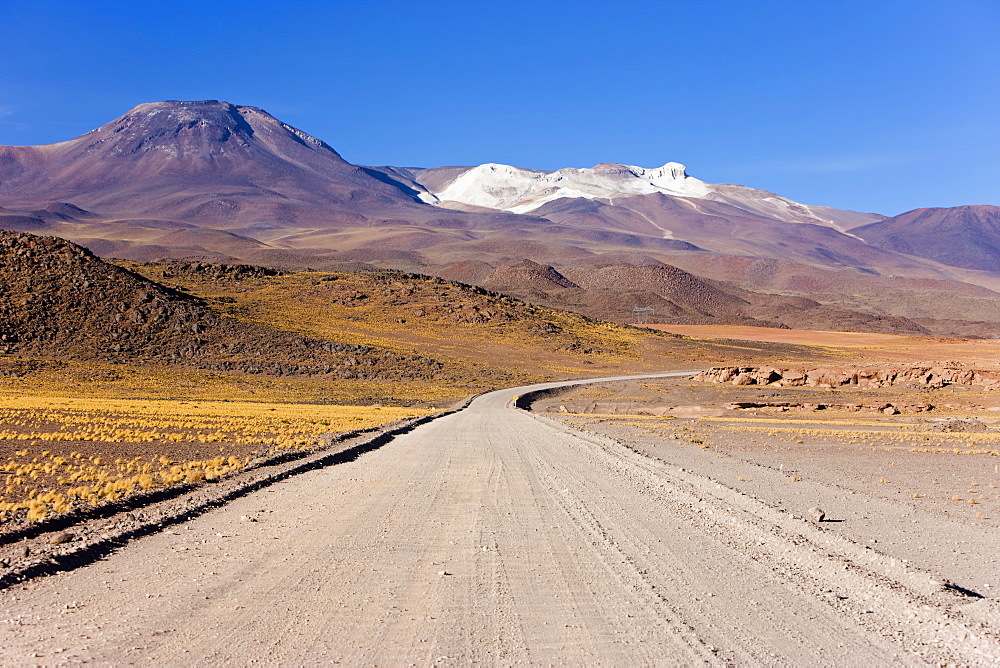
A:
x: 498, y: 536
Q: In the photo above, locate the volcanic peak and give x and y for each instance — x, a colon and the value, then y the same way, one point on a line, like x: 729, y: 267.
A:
x: 206, y: 127
x: 201, y: 161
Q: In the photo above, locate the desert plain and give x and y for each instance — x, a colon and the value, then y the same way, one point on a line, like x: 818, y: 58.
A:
x: 657, y: 516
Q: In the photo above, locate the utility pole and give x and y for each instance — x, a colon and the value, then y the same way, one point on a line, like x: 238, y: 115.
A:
x: 642, y: 314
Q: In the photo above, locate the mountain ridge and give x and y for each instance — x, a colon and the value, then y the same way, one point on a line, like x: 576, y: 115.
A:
x: 964, y: 236
x: 209, y: 180
x: 505, y: 187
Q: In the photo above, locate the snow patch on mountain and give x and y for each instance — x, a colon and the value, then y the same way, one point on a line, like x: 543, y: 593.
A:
x: 518, y: 190
x: 522, y: 190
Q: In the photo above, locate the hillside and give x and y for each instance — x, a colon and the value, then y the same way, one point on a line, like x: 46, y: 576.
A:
x: 71, y: 322
x: 611, y: 291
x: 961, y: 236
x: 478, y: 334
x: 59, y: 299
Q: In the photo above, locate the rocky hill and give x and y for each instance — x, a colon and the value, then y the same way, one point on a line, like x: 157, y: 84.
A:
x: 194, y: 161
x: 867, y: 377
x: 610, y: 292
x: 59, y: 300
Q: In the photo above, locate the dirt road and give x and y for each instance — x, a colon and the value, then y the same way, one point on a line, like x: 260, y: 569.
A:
x: 494, y: 535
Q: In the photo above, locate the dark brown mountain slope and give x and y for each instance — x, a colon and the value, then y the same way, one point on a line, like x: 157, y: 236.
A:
x: 961, y: 236
x: 59, y: 300
x: 609, y: 292
x: 665, y: 281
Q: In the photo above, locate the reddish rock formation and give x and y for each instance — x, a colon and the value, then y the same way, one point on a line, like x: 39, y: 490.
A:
x: 862, y: 377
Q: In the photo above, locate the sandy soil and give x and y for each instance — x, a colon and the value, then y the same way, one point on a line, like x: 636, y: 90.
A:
x: 909, y: 485
x: 499, y: 536
x: 862, y: 346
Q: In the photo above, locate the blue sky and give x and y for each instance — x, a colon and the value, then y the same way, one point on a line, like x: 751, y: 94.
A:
x: 876, y: 106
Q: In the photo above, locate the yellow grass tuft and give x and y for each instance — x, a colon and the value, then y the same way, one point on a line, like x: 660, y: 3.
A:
x: 55, y: 480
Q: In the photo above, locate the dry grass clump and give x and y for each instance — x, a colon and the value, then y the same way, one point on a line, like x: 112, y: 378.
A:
x: 57, y: 454
x: 78, y: 379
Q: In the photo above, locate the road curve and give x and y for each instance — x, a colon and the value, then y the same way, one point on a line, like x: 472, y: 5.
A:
x: 497, y: 536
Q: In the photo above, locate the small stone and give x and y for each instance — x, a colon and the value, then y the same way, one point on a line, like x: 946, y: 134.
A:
x: 817, y: 514
x: 443, y: 573
x: 248, y: 518
x: 25, y: 552
x: 61, y: 537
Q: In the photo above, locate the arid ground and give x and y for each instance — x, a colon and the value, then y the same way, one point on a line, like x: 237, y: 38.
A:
x: 854, y: 347
x: 654, y: 519
x: 503, y: 536
x: 920, y: 486
x: 269, y: 406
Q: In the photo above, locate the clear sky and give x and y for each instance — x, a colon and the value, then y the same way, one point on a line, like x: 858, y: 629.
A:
x: 880, y: 105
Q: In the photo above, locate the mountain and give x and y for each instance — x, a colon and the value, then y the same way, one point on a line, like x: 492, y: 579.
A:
x: 961, y: 236
x: 660, y: 209
x: 214, y: 181
x: 495, y: 186
x: 611, y: 291
x: 210, y: 162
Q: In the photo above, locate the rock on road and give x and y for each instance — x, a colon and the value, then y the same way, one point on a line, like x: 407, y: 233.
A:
x: 493, y: 535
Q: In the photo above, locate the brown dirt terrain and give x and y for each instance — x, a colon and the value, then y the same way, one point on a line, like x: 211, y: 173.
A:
x: 73, y: 323
x: 479, y: 334
x: 78, y: 330
x: 922, y: 486
x: 857, y: 346
x: 609, y: 291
